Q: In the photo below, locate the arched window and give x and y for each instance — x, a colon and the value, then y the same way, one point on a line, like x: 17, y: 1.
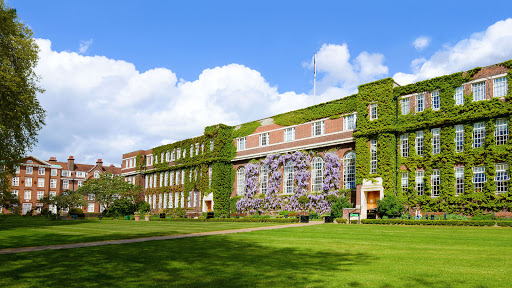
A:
x: 288, y: 177
x: 263, y: 179
x: 349, y: 170
x: 240, y: 181
x: 318, y: 174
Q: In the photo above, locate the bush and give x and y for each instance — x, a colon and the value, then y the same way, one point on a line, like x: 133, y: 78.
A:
x: 504, y: 223
x: 428, y: 222
x: 337, y: 207
x: 303, y: 200
x: 76, y: 211
x: 390, y: 206
x: 121, y: 207
x: 143, y: 206
x: 341, y: 220
x: 46, y: 212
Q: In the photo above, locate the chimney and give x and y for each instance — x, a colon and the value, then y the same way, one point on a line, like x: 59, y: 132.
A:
x: 99, y: 163
x: 71, y: 163
x: 112, y: 165
x: 52, y: 160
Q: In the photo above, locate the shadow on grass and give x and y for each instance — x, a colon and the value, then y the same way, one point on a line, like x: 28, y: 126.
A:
x: 217, y: 261
x: 15, y: 222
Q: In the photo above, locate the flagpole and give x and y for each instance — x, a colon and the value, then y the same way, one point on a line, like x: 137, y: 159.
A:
x: 314, y: 81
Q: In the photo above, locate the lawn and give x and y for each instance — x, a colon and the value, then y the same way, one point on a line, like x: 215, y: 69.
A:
x: 328, y: 255
x: 21, y: 231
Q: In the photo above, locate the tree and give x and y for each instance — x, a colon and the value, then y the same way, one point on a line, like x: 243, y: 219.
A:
x: 68, y: 199
x: 337, y: 207
x: 390, y: 206
x: 10, y: 201
x: 21, y: 115
x: 109, y: 188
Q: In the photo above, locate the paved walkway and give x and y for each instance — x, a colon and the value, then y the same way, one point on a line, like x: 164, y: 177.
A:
x: 145, y: 239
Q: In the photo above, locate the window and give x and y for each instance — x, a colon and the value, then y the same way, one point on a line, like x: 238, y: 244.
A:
x: 459, y: 95
x: 65, y: 184
x: 182, y: 177
x: 373, y: 111
x: 178, y: 173
x: 192, y: 150
x: 17, y: 168
x: 28, y: 170
x: 263, y: 179
x: 240, y: 181
x: 166, y: 178
x: 161, y: 179
x: 80, y: 183
x: 501, y: 131
x: 419, y: 182
x: 40, y: 195
x: 436, y: 100
x: 173, y: 154
x: 349, y: 122
x: 288, y: 177
x: 241, y: 143
x: 28, y: 182
x: 420, y: 103
x: 349, y: 170
x: 40, y: 171
x: 53, y: 183
x: 501, y: 178
x: 211, y: 145
x: 478, y: 91
x: 96, y: 174
x: 264, y: 139
x: 54, y: 172
x: 435, y: 182
x: 459, y: 181
x: 373, y: 153
x: 459, y: 138
x: 184, y: 153
x: 178, y: 153
x: 289, y: 134
x: 210, y: 170
x: 197, y: 148
x: 406, y: 106
x: 478, y: 134
x: 15, y: 181
x: 171, y: 178
x: 404, y: 145
x: 80, y: 174
x: 419, y: 143
x: 500, y: 87
x: 66, y: 173
x: 40, y: 182
x: 90, y: 207
x: 28, y: 195
x: 479, y: 178
x: 436, y: 141
x: 318, y: 174
x: 317, y: 128
x: 167, y: 156
x: 405, y: 181
x: 14, y: 193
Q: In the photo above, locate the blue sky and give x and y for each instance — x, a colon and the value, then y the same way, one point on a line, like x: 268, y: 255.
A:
x: 234, y: 61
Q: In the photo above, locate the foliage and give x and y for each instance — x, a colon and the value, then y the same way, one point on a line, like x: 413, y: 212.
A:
x: 341, y: 220
x: 21, y: 115
x: 9, y: 201
x: 142, y: 206
x: 390, y: 206
x: 65, y: 200
x: 109, y: 188
x: 246, y: 129
x: 339, y: 205
x: 429, y: 222
x: 76, y: 211
x: 120, y: 207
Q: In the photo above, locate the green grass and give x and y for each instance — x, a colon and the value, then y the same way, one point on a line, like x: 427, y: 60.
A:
x: 328, y: 255
x: 21, y: 231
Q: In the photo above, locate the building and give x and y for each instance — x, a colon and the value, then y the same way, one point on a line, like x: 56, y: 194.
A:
x: 36, y: 178
x: 440, y: 145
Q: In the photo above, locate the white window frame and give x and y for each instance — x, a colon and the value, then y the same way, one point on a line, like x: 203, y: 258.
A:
x: 501, y: 178
x: 29, y: 170
x: 317, y: 128
x: 96, y: 174
x: 65, y: 184
x: 27, y: 195
x: 459, y: 138
x: 41, y: 171
x: 500, y: 87
x: 289, y: 134
x: 373, y: 156
x: 404, y: 145
x: 90, y: 208
x: 420, y: 185
x: 420, y: 102
x: 317, y: 175
x: 264, y: 139
x: 478, y: 134
x: 458, y: 97
x: 40, y: 182
x: 479, y: 177
x: 436, y: 141
x: 435, y: 95
x: 241, y: 143
x: 53, y: 183
x: 289, y: 177
x: 40, y: 195
x: 404, y: 181
x: 264, y: 179
x: 349, y: 170
x: 435, y: 182
x: 405, y: 105
x: 349, y: 122
x: 28, y: 181
x: 240, y: 181
x: 373, y: 112
x: 54, y: 172
x: 419, y: 142
x: 501, y: 131
x: 459, y: 180
x: 479, y: 91
x: 15, y: 181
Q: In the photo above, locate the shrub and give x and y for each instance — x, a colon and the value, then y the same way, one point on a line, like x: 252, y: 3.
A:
x: 504, y: 223
x: 428, y: 222
x: 337, y: 207
x: 75, y: 211
x: 143, y: 206
x: 341, y: 220
x: 46, y: 212
x: 390, y: 206
x: 331, y: 198
x: 303, y: 200
x: 121, y: 207
x: 232, y: 203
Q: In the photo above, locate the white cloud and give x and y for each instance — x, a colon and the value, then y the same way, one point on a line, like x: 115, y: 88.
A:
x: 481, y: 49
x: 101, y: 108
x: 84, y: 46
x: 421, y: 42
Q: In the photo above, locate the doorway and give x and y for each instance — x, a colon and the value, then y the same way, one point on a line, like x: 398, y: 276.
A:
x: 371, y: 199
x: 208, y: 205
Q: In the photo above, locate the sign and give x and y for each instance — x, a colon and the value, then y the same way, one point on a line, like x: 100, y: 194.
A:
x: 354, y: 214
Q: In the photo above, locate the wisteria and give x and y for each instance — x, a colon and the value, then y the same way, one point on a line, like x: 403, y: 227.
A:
x: 319, y: 202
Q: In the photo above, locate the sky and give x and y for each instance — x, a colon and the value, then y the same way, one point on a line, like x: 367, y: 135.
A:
x: 120, y: 76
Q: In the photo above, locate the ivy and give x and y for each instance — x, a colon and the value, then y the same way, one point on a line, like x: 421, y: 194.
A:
x: 246, y: 129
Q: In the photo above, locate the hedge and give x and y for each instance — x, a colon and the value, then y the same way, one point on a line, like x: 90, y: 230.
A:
x: 430, y: 222
x: 267, y: 220
x: 341, y: 220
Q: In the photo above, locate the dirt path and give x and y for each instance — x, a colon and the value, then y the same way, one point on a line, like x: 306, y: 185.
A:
x: 144, y: 239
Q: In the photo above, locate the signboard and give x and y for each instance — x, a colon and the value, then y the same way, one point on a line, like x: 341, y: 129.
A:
x: 354, y: 214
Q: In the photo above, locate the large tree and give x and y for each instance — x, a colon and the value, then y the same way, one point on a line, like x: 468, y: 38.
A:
x: 109, y: 188
x: 68, y: 199
x: 21, y: 115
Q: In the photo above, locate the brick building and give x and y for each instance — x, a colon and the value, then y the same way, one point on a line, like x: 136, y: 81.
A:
x: 36, y: 178
x: 436, y: 144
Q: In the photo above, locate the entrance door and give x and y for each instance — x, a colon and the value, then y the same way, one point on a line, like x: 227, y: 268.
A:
x: 26, y: 207
x: 208, y: 206
x: 371, y: 199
